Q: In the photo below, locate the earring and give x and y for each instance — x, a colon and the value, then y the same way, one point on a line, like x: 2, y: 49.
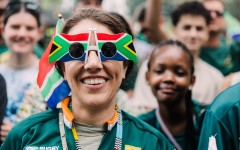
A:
x: 190, y: 88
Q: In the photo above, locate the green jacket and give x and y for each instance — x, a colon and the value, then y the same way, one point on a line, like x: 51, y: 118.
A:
x: 3, y: 49
x: 226, y: 57
x: 222, y: 121
x: 38, y: 50
x: 42, y: 131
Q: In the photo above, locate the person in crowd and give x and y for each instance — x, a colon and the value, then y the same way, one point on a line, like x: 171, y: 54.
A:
x: 221, y: 123
x: 231, y: 80
x: 3, y: 100
x: 79, y: 4
x: 97, y: 54
x: 171, y: 78
x: 190, y: 26
x: 150, y: 32
x: 4, y: 53
x: 217, y: 51
x: 21, y: 31
x: 3, y: 47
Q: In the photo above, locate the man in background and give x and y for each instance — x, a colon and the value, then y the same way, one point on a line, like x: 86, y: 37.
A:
x: 217, y: 51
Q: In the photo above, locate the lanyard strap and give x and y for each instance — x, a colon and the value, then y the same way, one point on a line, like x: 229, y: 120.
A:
x: 165, y: 130
x: 118, y: 138
x: 62, y: 131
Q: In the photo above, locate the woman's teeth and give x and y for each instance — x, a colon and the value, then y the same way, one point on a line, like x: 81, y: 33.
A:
x: 94, y: 81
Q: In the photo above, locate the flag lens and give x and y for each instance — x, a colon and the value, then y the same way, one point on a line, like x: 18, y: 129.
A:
x: 76, y: 50
x: 109, y: 49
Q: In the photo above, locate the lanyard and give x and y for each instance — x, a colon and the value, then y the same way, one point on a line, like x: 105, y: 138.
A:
x: 118, y: 138
x: 165, y: 130
x: 62, y: 131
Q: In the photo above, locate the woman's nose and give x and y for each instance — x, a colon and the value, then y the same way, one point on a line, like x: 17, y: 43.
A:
x: 93, y: 63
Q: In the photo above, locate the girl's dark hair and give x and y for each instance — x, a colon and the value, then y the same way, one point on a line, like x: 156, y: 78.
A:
x: 191, y: 142
x: 14, y: 7
x: 101, y: 17
x: 178, y: 44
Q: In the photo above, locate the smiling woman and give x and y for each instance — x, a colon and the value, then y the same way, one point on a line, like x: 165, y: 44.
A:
x: 93, y: 53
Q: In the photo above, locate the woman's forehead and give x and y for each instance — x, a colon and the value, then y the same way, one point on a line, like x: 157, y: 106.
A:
x: 23, y: 17
x: 83, y: 26
x: 170, y: 51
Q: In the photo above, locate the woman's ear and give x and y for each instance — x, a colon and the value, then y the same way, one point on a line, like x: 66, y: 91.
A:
x: 1, y: 30
x: 147, y: 77
x: 125, y: 68
x: 41, y: 32
x: 61, y: 69
x: 124, y: 72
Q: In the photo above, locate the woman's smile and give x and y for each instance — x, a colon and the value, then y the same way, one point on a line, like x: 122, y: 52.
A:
x: 94, y: 82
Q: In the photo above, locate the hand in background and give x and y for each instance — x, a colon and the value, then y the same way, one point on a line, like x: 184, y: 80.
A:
x: 5, y: 128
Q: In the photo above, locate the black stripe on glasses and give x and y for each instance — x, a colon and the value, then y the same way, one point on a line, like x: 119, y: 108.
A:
x: 218, y: 13
x: 76, y: 50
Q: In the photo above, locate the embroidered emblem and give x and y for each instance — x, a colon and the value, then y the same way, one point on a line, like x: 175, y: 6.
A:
x: 41, y: 148
x: 31, y: 148
x: 212, y: 145
x: 129, y: 147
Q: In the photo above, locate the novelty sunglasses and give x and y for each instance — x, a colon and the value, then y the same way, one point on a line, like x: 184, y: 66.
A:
x: 108, y: 47
x: 217, y: 13
x: 12, y: 5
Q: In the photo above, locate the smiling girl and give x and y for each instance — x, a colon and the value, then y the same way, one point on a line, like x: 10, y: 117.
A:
x: 170, y: 76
